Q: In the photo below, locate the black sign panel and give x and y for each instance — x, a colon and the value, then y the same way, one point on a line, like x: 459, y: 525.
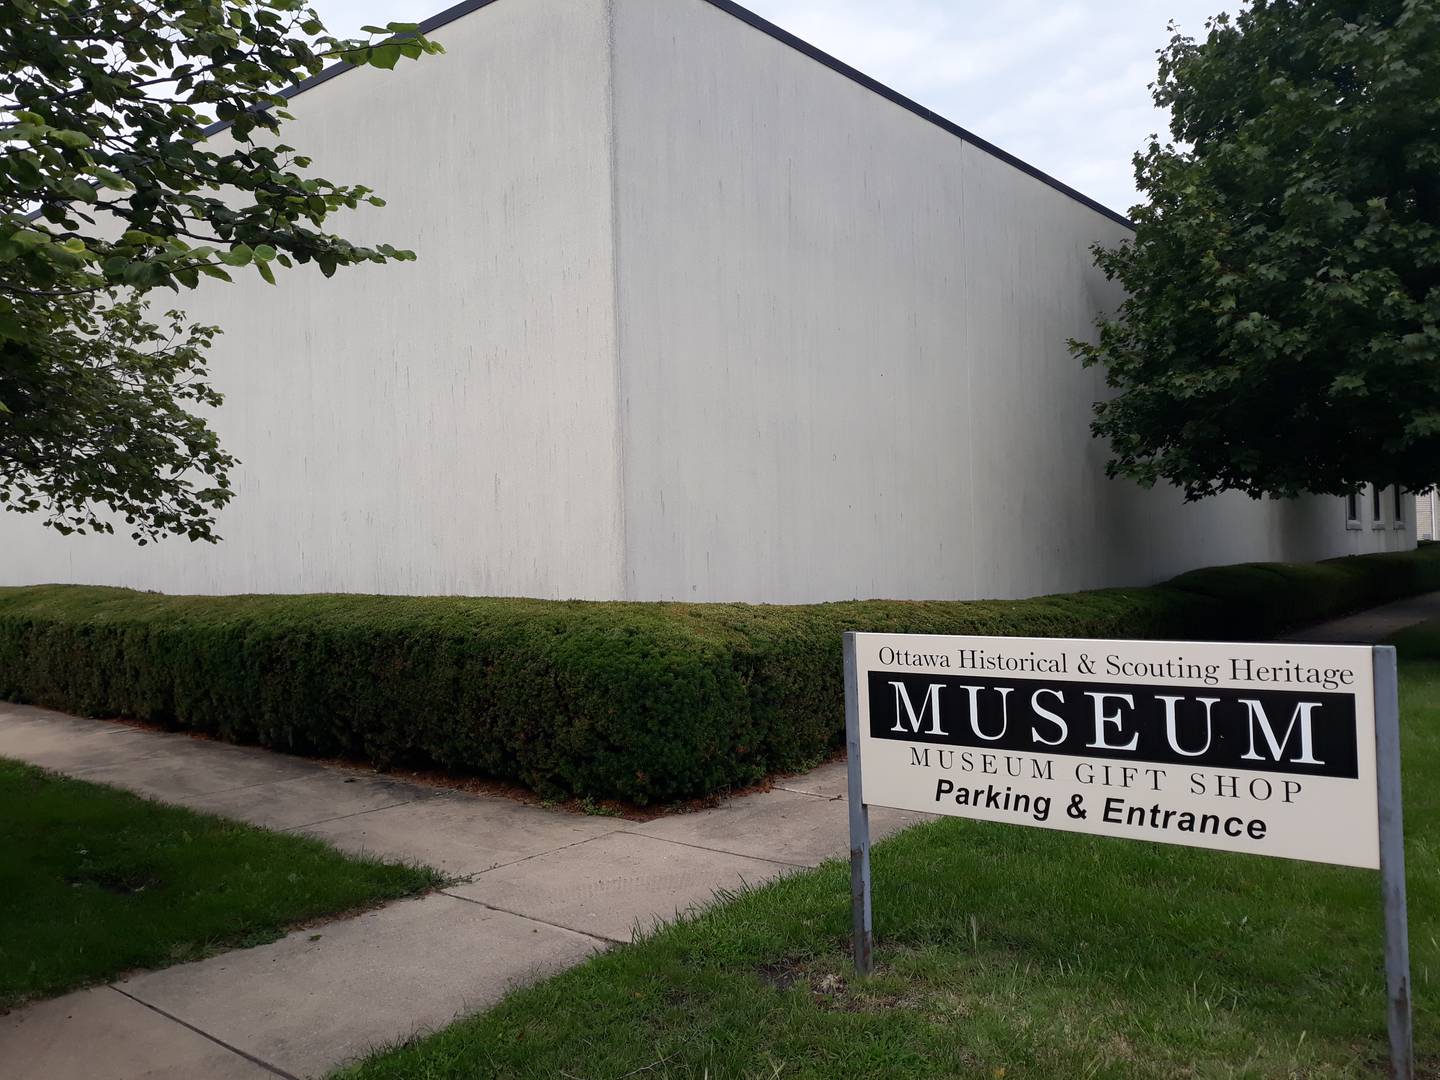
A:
x: 1311, y: 733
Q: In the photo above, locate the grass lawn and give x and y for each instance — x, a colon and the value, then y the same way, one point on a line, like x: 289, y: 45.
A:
x: 1002, y: 952
x: 95, y: 881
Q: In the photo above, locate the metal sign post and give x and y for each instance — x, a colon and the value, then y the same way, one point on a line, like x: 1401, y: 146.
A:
x: 1392, y: 863
x: 1272, y: 749
x: 859, y: 817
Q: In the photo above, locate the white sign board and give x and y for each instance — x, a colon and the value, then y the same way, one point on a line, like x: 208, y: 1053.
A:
x: 1266, y: 749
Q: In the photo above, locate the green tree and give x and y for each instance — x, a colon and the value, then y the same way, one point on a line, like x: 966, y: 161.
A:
x: 114, y: 181
x: 1281, y: 331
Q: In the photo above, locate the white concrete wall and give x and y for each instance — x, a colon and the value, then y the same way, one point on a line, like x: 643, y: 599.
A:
x: 843, y: 361
x: 443, y: 426
x: 695, y: 317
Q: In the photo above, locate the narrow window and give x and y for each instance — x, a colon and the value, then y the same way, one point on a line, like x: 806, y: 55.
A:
x: 1352, y: 510
x: 1398, y: 518
x: 1377, y: 507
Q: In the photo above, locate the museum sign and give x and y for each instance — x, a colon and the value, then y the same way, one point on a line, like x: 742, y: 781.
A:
x: 1281, y: 750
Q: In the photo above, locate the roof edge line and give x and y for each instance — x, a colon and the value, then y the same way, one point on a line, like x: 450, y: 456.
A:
x: 434, y: 22
x: 745, y: 15
x: 910, y: 105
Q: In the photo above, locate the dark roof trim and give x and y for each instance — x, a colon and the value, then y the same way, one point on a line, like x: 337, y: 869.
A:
x: 465, y: 7
x: 434, y: 22
x: 799, y: 45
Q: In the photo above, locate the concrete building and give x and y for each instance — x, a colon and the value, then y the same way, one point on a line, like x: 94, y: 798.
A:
x: 699, y: 313
x: 1425, y: 515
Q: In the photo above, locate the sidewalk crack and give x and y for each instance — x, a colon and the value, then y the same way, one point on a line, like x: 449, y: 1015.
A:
x: 531, y: 918
x: 722, y: 851
x: 343, y: 817
x: 539, y: 854
x: 206, y: 1035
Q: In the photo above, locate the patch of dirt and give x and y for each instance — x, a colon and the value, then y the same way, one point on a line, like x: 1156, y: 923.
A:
x: 781, y: 975
x: 121, y: 882
x: 828, y: 991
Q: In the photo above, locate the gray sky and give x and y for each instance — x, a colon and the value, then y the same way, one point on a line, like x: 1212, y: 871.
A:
x: 1058, y: 83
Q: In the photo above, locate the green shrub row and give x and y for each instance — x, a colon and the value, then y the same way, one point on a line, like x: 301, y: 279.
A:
x: 641, y: 702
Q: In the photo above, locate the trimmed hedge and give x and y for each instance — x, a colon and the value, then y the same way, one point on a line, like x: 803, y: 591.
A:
x: 641, y: 702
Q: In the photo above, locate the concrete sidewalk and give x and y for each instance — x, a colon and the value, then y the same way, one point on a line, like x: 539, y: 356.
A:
x: 542, y: 890
x: 1372, y: 626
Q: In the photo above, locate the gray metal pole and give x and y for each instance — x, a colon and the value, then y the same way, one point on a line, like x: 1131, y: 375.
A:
x: 859, y: 817
x: 1392, y: 863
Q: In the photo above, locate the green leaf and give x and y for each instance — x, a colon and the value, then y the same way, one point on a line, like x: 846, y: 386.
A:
x: 73, y: 139
x: 384, y: 56
x: 111, y: 180
x: 238, y: 255
x: 12, y: 328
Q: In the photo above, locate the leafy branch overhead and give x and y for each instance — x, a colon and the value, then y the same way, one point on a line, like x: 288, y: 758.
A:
x: 1281, y: 332
x: 114, y: 181
x: 120, y: 432
x: 111, y: 103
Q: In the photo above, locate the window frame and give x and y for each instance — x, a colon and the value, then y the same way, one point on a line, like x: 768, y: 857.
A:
x: 1353, y: 511
x: 1377, y: 506
x: 1397, y: 506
